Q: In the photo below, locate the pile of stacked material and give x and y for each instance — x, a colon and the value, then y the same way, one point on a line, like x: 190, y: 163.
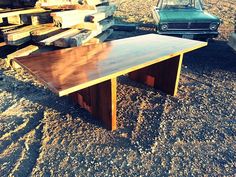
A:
x: 33, y: 24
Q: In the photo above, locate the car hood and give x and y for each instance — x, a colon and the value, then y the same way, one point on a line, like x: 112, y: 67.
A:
x: 183, y: 15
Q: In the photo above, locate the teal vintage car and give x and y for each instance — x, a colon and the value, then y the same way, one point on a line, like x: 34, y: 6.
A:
x: 185, y: 18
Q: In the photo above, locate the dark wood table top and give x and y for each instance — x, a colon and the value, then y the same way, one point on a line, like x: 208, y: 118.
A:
x: 68, y: 70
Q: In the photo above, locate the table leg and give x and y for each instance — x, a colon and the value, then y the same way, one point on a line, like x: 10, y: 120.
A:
x: 100, y: 101
x: 163, y: 76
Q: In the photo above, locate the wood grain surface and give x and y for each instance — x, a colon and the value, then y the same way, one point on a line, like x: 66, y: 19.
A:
x: 163, y: 76
x: 69, y: 70
x: 100, y: 101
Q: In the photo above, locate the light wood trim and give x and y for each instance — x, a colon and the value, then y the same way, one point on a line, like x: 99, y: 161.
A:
x: 178, y: 74
x: 114, y: 103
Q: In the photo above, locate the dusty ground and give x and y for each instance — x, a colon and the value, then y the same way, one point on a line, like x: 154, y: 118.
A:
x: 192, y: 134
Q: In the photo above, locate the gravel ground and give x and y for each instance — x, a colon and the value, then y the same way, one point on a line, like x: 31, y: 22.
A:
x: 192, y: 134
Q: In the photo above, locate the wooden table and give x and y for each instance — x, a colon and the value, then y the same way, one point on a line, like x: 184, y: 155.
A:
x: 89, y: 73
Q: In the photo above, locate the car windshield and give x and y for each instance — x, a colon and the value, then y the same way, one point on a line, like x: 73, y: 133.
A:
x: 180, y: 4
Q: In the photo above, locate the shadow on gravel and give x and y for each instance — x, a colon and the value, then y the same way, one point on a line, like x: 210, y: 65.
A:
x: 16, y: 135
x: 142, y: 132
x: 216, y: 56
x: 45, y: 98
x: 143, y: 124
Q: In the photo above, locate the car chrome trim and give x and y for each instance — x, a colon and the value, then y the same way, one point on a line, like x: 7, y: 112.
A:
x: 170, y: 29
x: 189, y: 32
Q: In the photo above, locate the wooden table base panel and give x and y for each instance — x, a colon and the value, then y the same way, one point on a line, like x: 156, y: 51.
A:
x: 163, y: 76
x: 100, y: 101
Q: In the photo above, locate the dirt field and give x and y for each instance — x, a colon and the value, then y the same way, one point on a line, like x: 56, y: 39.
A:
x: 192, y: 134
